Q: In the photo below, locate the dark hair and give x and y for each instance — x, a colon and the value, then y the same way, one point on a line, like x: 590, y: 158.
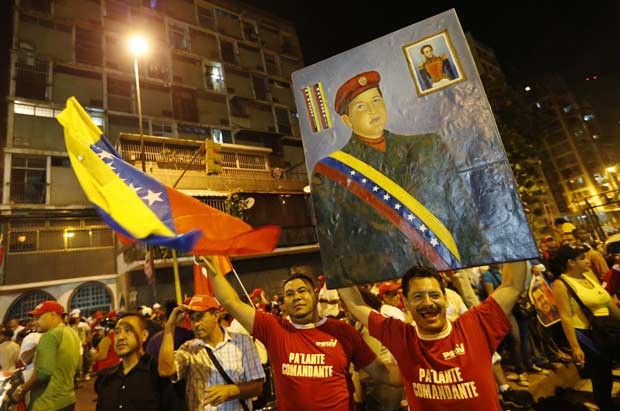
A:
x: 141, y: 320
x: 421, y: 272
x: 426, y: 46
x: 560, y: 220
x: 299, y: 276
x: 559, y: 259
x: 8, y: 333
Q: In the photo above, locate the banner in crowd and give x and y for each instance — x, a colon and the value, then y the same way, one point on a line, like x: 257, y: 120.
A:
x: 139, y: 207
x: 406, y: 162
x: 541, y: 296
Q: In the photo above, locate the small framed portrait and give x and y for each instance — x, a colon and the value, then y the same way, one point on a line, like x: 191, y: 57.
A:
x: 433, y: 63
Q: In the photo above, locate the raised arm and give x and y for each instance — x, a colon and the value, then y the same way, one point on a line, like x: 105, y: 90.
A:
x: 228, y: 297
x: 512, y: 286
x: 355, y: 304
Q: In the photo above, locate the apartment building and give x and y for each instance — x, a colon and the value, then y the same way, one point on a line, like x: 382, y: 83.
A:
x: 217, y: 70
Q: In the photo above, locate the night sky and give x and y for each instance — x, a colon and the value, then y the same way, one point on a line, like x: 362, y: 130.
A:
x: 529, y: 38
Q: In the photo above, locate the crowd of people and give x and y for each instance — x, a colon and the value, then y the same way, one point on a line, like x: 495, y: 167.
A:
x: 426, y: 341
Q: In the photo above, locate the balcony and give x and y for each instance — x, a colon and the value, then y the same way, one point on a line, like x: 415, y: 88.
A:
x: 245, y: 168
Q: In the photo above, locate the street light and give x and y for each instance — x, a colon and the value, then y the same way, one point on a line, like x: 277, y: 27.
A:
x: 139, y: 46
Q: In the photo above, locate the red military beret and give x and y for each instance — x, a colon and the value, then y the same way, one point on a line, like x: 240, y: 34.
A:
x: 354, y: 87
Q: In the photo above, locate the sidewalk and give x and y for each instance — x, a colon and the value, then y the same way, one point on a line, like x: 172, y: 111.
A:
x: 86, y: 397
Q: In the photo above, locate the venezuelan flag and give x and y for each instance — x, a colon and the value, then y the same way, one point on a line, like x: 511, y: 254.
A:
x: 139, y: 207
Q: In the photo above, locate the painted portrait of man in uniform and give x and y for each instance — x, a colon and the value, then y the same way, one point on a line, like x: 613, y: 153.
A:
x: 389, y: 183
x: 433, y: 63
x: 400, y: 178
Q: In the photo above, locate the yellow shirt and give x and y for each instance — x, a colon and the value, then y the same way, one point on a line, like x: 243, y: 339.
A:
x: 596, y: 298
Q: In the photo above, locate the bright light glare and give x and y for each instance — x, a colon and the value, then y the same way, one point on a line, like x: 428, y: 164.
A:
x: 69, y: 234
x: 527, y: 88
x: 611, y: 169
x: 138, y: 45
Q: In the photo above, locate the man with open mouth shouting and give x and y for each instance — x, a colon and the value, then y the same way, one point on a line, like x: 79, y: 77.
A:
x: 444, y: 365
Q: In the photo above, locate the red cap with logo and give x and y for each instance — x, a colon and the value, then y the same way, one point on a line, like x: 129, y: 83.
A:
x: 387, y: 287
x: 354, y: 87
x: 203, y: 303
x: 47, y: 307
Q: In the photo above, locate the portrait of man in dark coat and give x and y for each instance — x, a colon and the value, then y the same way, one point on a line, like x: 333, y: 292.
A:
x: 386, y: 202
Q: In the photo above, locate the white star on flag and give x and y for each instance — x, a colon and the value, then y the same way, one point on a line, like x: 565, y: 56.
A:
x: 152, y: 197
x: 364, y: 181
x: 105, y: 155
x: 434, y: 242
x: 410, y: 217
x: 134, y: 188
x: 397, y: 207
x: 386, y: 197
x: 423, y: 228
x: 353, y: 172
x: 375, y: 188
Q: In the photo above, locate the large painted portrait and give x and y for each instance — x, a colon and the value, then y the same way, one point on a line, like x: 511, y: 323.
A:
x: 433, y: 63
x: 401, y: 178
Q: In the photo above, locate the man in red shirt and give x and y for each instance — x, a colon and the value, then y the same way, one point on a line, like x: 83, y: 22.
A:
x: 310, y: 355
x: 444, y: 365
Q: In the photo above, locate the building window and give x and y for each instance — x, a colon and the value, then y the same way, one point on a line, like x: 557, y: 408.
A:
x: 249, y: 31
x: 213, y: 77
x: 61, y: 235
x: 42, y: 6
x: 271, y: 64
x: 31, y: 74
x: 28, y: 179
x: 205, y: 17
x: 90, y: 297
x: 88, y: 48
x: 162, y: 129
x: 184, y: 104
x: 26, y: 303
x: 32, y: 110
x: 222, y: 136
x: 228, y: 52
x: 179, y: 37
x: 284, y: 123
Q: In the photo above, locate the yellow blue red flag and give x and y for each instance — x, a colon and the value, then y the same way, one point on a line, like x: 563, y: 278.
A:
x: 139, y: 207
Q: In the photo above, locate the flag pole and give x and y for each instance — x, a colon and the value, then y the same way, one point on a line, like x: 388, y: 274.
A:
x: 216, y: 269
x: 177, y: 281
x: 175, y: 262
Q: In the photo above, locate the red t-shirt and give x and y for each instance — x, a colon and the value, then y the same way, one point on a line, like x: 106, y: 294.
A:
x: 311, y: 364
x: 453, y: 371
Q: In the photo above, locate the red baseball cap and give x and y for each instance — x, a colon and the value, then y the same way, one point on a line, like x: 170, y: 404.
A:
x: 49, y: 306
x: 256, y: 293
x: 203, y: 303
x: 111, y: 313
x: 388, y: 286
x: 354, y: 87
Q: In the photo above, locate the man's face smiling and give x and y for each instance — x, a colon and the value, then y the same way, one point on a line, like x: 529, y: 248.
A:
x: 367, y: 114
x: 427, y: 304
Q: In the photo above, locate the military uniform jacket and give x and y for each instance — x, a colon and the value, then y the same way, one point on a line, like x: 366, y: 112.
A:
x: 358, y: 244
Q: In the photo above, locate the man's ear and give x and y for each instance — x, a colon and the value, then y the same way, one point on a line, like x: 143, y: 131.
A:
x: 346, y: 120
x: 144, y: 335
